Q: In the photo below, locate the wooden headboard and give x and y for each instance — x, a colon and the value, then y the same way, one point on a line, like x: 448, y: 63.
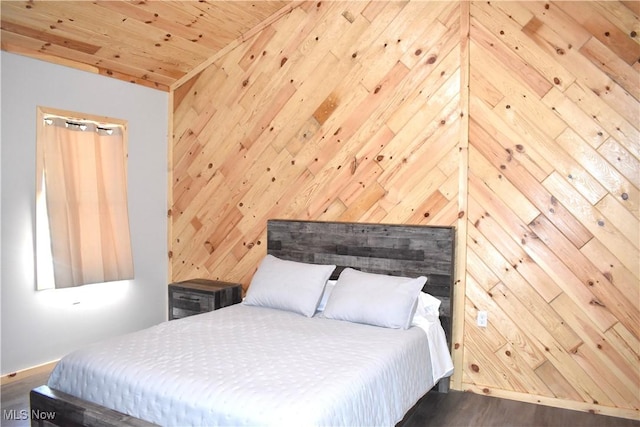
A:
x: 397, y: 250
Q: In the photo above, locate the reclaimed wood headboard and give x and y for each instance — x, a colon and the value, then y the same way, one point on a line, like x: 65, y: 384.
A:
x: 397, y: 250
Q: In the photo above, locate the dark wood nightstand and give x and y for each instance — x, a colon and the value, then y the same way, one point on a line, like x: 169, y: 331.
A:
x: 200, y: 296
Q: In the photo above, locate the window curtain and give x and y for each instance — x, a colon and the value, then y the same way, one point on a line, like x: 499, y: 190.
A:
x: 86, y: 199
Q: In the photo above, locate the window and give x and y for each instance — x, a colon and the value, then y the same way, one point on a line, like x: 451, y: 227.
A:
x: 82, y: 220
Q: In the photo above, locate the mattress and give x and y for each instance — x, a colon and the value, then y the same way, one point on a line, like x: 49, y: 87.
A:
x: 244, y: 365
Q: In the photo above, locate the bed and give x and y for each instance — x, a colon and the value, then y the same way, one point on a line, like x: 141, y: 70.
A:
x: 326, y: 352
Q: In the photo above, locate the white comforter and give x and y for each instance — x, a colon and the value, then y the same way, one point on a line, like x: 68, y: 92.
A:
x: 247, y: 366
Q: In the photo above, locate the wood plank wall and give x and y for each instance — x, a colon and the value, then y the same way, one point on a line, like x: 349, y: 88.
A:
x: 552, y: 244
x: 355, y: 111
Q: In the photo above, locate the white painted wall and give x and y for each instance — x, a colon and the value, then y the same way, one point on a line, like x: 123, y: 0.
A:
x: 40, y: 326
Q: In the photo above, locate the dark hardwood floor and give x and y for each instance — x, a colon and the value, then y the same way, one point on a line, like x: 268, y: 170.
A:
x: 460, y: 409
x: 15, y: 400
x: 455, y: 409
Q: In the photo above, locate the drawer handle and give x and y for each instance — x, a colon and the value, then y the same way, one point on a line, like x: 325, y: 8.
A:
x: 189, y: 298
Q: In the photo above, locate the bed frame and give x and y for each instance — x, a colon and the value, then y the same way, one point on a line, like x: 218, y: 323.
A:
x: 399, y: 250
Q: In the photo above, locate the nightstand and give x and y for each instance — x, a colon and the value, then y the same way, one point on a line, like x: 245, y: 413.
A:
x: 200, y: 296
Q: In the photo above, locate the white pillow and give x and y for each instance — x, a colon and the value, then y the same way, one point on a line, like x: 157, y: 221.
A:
x: 325, y: 295
x: 288, y: 285
x: 374, y: 299
x: 428, y: 308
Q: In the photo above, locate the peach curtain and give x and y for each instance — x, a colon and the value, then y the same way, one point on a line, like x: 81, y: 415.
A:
x: 86, y: 194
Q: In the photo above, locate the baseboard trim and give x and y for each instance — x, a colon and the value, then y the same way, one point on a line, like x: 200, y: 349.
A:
x: 555, y: 402
x: 24, y: 373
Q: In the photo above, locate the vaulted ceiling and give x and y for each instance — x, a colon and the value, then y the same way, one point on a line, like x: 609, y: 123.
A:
x: 154, y: 43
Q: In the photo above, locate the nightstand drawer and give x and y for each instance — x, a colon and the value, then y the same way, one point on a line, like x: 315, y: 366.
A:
x: 200, y: 296
x: 190, y: 301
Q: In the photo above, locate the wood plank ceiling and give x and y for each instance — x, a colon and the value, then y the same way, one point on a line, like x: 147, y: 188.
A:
x: 152, y: 43
x: 518, y: 122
